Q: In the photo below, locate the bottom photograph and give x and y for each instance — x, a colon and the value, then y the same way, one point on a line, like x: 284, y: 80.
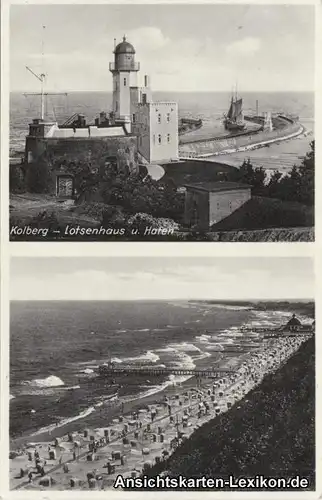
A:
x: 162, y: 373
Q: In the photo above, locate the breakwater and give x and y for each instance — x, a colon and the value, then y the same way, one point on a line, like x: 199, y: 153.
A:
x: 189, y: 124
x: 219, y: 146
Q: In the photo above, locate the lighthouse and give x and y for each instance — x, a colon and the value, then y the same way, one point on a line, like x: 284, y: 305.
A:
x: 124, y: 70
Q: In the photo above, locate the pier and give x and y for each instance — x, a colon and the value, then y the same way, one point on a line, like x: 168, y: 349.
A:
x: 112, y: 371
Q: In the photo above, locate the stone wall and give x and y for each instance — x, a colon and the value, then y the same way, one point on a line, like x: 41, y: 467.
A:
x: 217, y: 146
x: 62, y: 156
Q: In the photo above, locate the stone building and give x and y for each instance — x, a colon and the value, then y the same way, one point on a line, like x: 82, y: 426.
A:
x: 59, y: 149
x: 208, y: 203
x: 156, y: 126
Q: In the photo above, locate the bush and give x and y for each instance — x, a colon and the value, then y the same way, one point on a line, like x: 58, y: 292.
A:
x: 16, y: 179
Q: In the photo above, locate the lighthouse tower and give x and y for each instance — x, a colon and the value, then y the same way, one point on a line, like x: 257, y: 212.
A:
x: 124, y: 70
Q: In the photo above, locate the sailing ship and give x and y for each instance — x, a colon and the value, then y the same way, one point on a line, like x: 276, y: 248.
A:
x: 234, y: 121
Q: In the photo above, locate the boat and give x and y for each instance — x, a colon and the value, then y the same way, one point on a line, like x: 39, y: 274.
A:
x: 234, y: 121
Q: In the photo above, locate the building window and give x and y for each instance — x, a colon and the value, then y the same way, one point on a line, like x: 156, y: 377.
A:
x: 124, y: 82
x: 116, y: 106
x: 168, y: 138
x: 159, y: 118
x: 153, y: 138
x: 133, y: 118
x: 144, y: 99
x: 159, y: 138
x: 168, y: 117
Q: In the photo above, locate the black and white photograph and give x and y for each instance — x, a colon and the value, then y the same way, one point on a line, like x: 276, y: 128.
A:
x: 129, y: 374
x: 162, y: 122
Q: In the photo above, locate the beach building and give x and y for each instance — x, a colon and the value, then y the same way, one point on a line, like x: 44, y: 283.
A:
x: 208, y: 203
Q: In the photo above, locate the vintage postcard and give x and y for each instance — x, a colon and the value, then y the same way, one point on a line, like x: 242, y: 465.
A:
x: 161, y: 122
x: 190, y: 384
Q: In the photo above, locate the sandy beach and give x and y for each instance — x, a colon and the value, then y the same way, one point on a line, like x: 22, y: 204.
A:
x: 91, y: 452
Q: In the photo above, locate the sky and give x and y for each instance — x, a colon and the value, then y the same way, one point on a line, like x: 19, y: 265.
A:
x: 169, y: 278
x: 182, y: 47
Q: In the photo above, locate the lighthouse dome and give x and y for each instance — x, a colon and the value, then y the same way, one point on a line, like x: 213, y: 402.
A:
x: 124, y: 48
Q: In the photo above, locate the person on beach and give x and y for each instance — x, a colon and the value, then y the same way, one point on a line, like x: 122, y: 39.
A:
x: 30, y: 477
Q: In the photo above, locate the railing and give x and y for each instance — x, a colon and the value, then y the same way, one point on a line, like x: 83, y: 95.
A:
x: 130, y: 66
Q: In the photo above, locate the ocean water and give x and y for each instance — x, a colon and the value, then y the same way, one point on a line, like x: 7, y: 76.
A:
x: 55, y: 348
x: 209, y: 106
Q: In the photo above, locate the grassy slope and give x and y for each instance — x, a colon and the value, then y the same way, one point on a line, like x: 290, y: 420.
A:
x: 269, y: 432
x: 262, y: 213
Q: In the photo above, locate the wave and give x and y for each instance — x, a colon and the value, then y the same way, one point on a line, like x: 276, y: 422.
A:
x: 148, y: 357
x: 88, y: 371
x: 185, y: 347
x: 51, y: 381
x: 12, y: 397
x: 64, y: 421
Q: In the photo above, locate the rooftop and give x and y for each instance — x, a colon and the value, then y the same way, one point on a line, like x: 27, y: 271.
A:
x: 214, y: 187
x: 124, y: 47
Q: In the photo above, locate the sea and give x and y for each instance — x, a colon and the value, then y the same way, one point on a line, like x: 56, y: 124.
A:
x: 209, y: 106
x: 56, y: 348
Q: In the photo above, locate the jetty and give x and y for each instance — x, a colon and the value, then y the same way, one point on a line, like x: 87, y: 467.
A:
x: 106, y: 370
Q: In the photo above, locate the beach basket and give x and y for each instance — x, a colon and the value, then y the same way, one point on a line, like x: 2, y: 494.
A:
x: 92, y: 483
x: 45, y: 481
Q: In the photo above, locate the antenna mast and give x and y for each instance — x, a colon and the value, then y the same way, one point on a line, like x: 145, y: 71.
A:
x: 41, y: 78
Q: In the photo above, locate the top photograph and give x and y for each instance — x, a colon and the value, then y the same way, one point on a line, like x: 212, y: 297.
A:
x: 162, y: 122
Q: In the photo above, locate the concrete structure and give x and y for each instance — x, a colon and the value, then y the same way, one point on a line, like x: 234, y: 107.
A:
x: 43, y: 132
x: 208, y: 203
x: 156, y: 126
x: 60, y: 151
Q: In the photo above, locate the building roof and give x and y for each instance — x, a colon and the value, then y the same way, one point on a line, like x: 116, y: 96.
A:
x: 214, y: 187
x: 124, y: 47
x: 293, y: 321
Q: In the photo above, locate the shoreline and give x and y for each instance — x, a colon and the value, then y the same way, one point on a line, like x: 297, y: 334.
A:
x: 186, y: 400
x: 105, y: 412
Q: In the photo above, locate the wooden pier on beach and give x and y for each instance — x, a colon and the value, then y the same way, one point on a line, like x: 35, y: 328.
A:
x: 137, y: 370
